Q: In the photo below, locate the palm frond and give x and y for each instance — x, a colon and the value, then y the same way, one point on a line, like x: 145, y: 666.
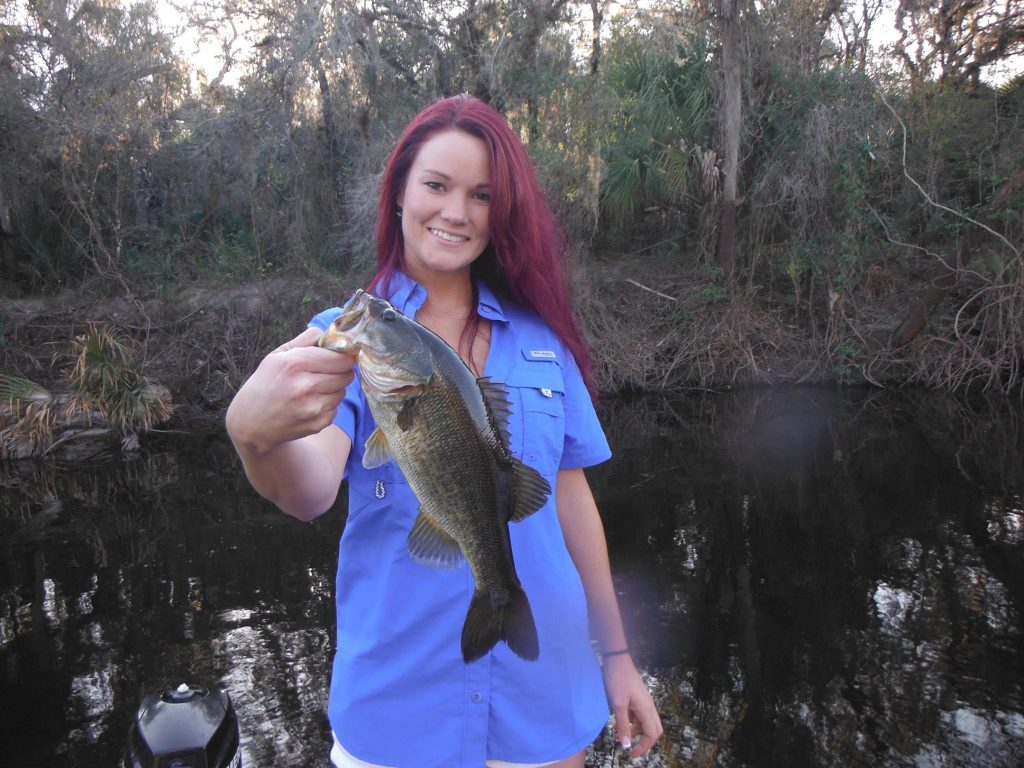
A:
x: 103, y: 360
x: 665, y: 102
x: 15, y: 388
x: 678, y: 165
x: 32, y: 433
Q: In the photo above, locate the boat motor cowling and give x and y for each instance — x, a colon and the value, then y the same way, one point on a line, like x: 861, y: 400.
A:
x: 184, y: 728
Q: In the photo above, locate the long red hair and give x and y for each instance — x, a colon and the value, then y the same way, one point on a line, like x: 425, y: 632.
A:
x: 525, y: 259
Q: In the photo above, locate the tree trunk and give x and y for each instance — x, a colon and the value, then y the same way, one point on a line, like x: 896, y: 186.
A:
x: 330, y: 130
x: 731, y: 66
x: 6, y: 233
x: 597, y: 9
x: 922, y: 307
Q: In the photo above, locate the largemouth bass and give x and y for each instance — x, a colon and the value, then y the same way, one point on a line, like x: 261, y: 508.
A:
x: 448, y: 432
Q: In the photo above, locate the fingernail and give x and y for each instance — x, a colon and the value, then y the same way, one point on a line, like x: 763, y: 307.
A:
x: 626, y: 743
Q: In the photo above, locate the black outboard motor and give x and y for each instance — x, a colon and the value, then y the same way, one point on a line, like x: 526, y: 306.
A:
x: 184, y: 728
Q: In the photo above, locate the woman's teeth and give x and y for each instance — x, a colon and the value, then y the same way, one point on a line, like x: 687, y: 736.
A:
x: 447, y: 236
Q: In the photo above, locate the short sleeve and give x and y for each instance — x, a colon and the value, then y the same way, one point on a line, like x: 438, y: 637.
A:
x: 349, y: 408
x: 585, y: 443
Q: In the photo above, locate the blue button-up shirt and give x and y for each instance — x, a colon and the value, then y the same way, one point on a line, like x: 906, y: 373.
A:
x: 401, y: 694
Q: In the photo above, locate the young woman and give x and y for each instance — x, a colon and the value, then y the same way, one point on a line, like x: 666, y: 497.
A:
x: 467, y: 246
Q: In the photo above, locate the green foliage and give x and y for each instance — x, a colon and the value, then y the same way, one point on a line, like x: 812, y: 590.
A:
x: 102, y: 362
x: 712, y: 294
x: 661, y: 121
x: 120, y: 169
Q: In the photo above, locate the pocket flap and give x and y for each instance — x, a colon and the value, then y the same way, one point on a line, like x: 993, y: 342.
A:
x: 542, y: 375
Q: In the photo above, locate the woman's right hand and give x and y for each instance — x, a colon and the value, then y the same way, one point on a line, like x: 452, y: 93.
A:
x: 293, y: 393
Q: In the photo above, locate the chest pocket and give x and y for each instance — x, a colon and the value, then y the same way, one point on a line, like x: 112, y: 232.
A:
x: 537, y: 423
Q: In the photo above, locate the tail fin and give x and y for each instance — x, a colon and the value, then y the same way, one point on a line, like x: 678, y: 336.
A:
x: 493, y: 617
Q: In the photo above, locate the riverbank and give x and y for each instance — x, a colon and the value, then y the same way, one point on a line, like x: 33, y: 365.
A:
x: 652, y: 330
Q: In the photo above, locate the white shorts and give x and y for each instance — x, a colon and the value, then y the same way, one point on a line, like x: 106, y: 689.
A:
x: 342, y: 759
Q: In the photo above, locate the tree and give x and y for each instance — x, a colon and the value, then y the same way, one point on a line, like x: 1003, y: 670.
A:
x: 95, y: 81
x: 955, y: 39
x: 732, y: 63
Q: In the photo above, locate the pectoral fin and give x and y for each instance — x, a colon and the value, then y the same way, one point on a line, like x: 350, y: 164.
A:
x: 429, y: 544
x: 404, y: 417
x: 377, y: 452
x: 530, y: 491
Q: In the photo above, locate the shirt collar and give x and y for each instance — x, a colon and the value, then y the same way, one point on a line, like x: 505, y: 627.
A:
x: 408, y: 296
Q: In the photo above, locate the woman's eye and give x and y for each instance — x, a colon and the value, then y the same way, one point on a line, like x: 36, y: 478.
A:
x: 484, y: 197
x: 437, y: 186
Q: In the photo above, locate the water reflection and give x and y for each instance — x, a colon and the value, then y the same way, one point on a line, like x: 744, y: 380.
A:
x: 835, y: 581
x: 122, y: 580
x: 810, y: 579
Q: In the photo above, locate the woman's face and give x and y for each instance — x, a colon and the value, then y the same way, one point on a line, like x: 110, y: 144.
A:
x: 446, y: 205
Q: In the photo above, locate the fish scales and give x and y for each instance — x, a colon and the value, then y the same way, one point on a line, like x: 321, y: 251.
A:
x: 463, y: 498
x: 447, y: 431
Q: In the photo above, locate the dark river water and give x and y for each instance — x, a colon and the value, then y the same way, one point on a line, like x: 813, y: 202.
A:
x: 809, y: 578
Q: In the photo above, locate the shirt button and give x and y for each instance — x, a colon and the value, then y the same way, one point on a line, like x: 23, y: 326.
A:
x: 477, y: 698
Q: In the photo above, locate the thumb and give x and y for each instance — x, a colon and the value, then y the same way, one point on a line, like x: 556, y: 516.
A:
x: 307, y: 338
x: 623, y: 733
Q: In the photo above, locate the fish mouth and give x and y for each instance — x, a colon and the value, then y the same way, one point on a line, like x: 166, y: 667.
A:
x: 337, y: 342
x: 392, y: 371
x: 342, y: 335
x: 356, y: 313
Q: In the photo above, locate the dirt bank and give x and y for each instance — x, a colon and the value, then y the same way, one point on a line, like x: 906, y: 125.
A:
x: 649, y: 332
x: 200, y: 341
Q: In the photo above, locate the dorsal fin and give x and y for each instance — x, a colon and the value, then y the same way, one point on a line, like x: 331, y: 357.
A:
x: 499, y: 407
x: 529, y: 491
x: 429, y: 544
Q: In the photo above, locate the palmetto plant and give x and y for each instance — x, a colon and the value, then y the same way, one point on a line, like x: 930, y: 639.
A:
x: 104, y: 396
x: 103, y: 361
x: 656, y: 155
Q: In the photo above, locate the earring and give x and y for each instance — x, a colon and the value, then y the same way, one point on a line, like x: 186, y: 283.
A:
x: 399, y: 213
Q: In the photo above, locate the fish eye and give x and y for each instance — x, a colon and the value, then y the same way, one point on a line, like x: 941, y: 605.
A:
x: 389, y: 314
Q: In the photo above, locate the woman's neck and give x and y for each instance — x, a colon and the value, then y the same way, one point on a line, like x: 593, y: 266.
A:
x: 449, y: 297
x: 449, y: 311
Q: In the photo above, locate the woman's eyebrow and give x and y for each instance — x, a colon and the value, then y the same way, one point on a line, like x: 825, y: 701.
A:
x: 446, y: 177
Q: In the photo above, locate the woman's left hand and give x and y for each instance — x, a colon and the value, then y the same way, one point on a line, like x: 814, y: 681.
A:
x: 632, y: 705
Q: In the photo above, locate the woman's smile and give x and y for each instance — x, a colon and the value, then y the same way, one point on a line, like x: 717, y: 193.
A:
x: 448, y: 236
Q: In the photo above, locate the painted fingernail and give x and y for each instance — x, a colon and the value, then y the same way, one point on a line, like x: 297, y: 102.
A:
x: 626, y: 743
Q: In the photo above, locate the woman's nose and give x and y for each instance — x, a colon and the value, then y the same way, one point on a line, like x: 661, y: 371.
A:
x: 454, y: 210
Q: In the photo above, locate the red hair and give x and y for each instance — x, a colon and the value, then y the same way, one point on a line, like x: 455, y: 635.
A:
x: 525, y: 258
